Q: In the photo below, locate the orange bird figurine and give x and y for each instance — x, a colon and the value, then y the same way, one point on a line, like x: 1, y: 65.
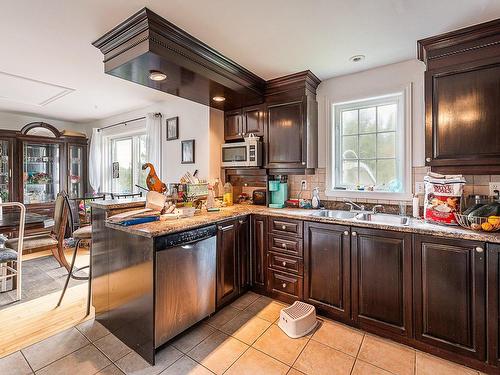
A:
x: 152, y: 181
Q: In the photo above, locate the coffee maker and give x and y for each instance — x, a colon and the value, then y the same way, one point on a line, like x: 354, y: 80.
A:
x: 278, y: 192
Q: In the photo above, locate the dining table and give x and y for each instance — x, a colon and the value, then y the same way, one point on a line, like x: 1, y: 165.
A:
x: 9, y: 221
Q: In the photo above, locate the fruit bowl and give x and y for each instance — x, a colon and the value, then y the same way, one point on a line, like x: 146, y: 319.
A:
x: 478, y: 223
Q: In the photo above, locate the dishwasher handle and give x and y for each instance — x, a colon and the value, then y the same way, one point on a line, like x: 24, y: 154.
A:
x: 184, y: 238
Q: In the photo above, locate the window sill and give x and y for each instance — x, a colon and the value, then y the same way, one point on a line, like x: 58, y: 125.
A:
x: 376, y: 195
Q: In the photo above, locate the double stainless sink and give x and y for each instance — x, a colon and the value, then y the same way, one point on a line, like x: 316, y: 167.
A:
x: 367, y: 216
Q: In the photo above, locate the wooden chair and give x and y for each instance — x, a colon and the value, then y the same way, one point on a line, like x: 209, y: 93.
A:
x: 54, y: 240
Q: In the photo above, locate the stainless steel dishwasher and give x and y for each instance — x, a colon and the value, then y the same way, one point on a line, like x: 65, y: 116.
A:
x: 185, y: 281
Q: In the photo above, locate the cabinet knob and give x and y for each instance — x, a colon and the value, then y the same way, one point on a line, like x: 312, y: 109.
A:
x: 283, y: 227
x: 303, y: 163
x: 354, y: 234
x: 283, y: 245
x: 239, y: 134
x: 284, y: 264
x: 346, y: 233
x: 479, y: 249
x: 240, y: 221
x: 284, y: 285
x: 428, y: 160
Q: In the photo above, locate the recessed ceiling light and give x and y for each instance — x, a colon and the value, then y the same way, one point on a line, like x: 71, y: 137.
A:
x: 155, y: 75
x: 357, y: 58
x: 218, y: 98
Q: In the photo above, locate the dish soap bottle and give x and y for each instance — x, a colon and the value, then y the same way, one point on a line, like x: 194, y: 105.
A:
x: 228, y: 194
x: 315, y: 202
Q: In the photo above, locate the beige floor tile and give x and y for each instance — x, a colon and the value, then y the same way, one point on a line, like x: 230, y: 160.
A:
x: 53, y: 348
x: 92, y: 329
x: 339, y: 336
x: 390, y: 356
x: 246, y: 327
x: 110, y: 370
x: 186, y: 366
x: 85, y: 361
x: 266, y: 309
x: 245, y: 300
x: 364, y: 368
x: 14, y: 364
x: 193, y: 337
x: 319, y: 359
x: 112, y: 347
x: 277, y: 344
x: 430, y: 365
x: 253, y: 362
x: 218, y: 352
x: 134, y: 364
x: 223, y: 316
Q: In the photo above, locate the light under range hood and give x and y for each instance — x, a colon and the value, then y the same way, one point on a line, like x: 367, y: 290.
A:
x: 146, y: 42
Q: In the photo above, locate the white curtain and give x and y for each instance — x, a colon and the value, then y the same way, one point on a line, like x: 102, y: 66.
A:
x: 95, y: 160
x: 153, y: 141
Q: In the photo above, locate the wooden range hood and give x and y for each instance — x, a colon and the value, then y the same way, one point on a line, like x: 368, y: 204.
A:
x: 146, y: 42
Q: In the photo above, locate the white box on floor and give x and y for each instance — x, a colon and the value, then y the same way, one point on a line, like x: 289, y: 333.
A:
x: 298, y: 319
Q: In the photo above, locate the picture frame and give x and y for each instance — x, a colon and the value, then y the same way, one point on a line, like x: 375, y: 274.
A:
x: 187, y: 152
x: 172, y: 124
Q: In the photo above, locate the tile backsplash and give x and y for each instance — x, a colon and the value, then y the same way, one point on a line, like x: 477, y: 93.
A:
x: 474, y: 185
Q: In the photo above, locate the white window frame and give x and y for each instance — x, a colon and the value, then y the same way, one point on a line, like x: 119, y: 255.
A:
x: 116, y: 133
x: 405, y: 102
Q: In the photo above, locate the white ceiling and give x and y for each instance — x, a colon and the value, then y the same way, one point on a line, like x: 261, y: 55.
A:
x: 50, y: 40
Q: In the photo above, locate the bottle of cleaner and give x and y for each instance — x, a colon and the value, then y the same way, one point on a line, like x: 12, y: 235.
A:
x: 315, y: 202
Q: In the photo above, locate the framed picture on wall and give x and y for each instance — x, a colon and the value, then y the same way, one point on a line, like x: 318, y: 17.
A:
x: 187, y: 152
x: 172, y: 128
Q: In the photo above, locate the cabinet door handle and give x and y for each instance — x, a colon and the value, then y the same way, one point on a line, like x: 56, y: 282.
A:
x: 428, y: 160
x: 240, y: 221
x: 303, y: 163
x: 283, y: 245
x: 479, y: 249
x: 283, y: 285
x: 283, y: 227
x: 346, y: 233
x: 284, y: 264
x: 354, y: 234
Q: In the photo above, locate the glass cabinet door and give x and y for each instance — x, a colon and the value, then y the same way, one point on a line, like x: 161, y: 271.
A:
x: 75, y: 169
x: 5, y: 172
x: 41, y: 172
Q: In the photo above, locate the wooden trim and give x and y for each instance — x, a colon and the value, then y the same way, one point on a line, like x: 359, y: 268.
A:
x: 32, y: 125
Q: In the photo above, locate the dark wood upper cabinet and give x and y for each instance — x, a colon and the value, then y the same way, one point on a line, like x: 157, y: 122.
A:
x: 258, y: 253
x: 292, y: 122
x: 381, y: 280
x: 242, y: 122
x: 327, y: 268
x: 449, y: 291
x: 462, y: 92
x: 227, y: 262
x: 494, y: 304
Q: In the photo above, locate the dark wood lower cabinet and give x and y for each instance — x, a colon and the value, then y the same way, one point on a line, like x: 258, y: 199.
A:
x: 258, y: 254
x: 327, y: 268
x: 449, y: 290
x: 243, y: 235
x: 227, y: 262
x: 381, y: 280
x: 494, y: 304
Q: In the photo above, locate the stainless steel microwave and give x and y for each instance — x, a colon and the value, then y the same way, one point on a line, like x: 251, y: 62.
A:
x: 242, y: 154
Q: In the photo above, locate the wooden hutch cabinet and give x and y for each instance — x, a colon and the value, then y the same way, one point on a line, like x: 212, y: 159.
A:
x: 38, y: 162
x: 462, y: 87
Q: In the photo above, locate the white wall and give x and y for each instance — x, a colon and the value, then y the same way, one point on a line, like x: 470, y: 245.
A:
x: 371, y: 83
x: 15, y: 121
x: 194, y: 123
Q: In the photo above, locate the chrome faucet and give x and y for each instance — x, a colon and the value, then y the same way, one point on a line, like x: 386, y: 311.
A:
x: 351, y: 205
x: 376, y: 207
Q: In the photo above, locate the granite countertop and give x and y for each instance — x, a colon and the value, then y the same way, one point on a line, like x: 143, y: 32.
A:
x: 111, y: 204
x: 160, y: 228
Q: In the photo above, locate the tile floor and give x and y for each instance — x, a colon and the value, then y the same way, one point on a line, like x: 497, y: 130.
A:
x: 242, y: 338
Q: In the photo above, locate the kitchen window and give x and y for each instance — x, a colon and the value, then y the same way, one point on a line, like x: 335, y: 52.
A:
x: 370, y: 153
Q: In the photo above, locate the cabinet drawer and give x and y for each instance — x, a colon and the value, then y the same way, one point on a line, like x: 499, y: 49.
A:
x: 286, y: 245
x: 286, y: 263
x: 289, y: 226
x: 282, y: 283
